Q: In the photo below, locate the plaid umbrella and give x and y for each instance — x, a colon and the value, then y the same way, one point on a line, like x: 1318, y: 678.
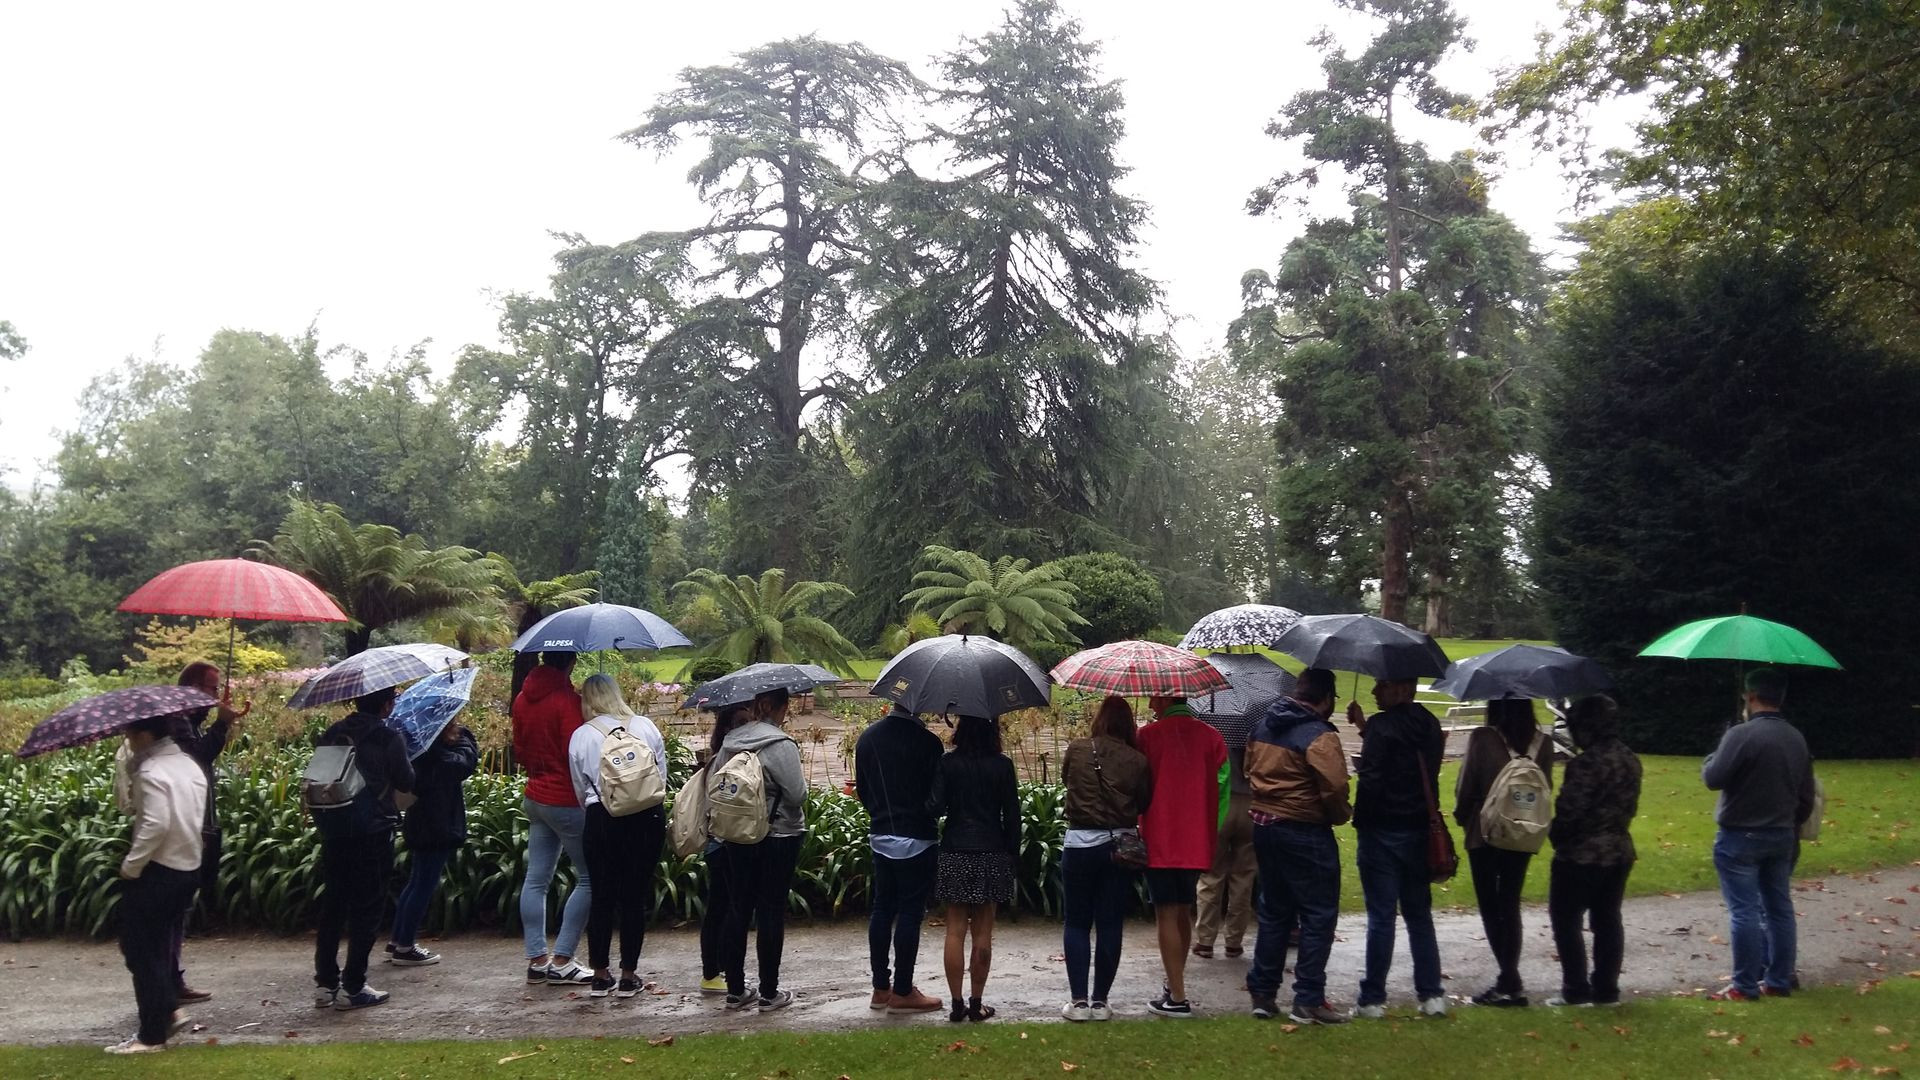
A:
x: 110, y: 713
x: 1139, y: 669
x: 429, y: 706
x: 375, y: 669
x: 755, y: 679
x: 1241, y: 624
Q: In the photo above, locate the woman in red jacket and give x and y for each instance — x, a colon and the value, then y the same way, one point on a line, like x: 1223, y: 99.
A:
x: 1179, y: 828
x: 544, y: 716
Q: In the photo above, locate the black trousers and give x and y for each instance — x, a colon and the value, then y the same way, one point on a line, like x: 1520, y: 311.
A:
x: 760, y: 876
x: 713, y: 922
x: 150, y: 906
x: 1593, y: 892
x: 357, y: 871
x: 622, y: 853
x: 900, y: 890
x: 1498, y: 877
x: 208, y: 885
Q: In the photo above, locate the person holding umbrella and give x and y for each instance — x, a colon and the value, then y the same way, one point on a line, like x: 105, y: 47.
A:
x: 356, y: 865
x: 167, y: 798
x: 1400, y: 749
x: 894, y: 763
x: 435, y: 827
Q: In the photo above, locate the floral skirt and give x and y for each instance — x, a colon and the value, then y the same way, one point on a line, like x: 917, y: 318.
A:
x: 974, y: 877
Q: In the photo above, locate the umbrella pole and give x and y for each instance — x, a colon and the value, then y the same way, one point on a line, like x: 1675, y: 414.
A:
x: 230, y: 633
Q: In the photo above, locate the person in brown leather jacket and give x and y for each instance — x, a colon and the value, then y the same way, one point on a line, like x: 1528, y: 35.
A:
x: 1108, y: 787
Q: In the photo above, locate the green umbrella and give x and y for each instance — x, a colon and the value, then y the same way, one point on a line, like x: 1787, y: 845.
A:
x: 1741, y: 637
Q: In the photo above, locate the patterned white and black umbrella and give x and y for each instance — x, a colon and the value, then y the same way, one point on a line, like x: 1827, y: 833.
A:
x: 1241, y: 624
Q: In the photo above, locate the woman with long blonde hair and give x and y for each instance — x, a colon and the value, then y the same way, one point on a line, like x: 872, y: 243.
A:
x: 622, y: 852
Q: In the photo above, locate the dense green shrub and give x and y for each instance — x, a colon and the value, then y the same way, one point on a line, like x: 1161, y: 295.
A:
x: 1117, y: 596
x: 1049, y: 653
x: 61, y: 841
x: 708, y: 668
x: 14, y: 688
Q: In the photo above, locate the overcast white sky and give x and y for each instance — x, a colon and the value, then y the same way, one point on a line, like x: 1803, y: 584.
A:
x: 386, y: 170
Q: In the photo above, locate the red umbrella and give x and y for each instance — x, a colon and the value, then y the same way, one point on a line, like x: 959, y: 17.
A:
x: 234, y: 589
x: 1140, y: 669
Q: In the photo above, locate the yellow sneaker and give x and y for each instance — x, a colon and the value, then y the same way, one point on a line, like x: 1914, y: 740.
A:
x: 715, y: 985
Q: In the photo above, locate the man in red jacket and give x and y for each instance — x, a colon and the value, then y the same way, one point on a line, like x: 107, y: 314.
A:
x: 545, y: 714
x: 1179, y: 828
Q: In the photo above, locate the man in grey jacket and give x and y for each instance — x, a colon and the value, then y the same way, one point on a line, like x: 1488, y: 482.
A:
x: 760, y: 875
x: 1764, y: 775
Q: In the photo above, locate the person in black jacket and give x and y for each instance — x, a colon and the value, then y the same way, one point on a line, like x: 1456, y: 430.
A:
x: 1400, y: 749
x: 204, y: 742
x: 893, y: 767
x: 435, y: 826
x: 976, y: 790
x: 356, y: 867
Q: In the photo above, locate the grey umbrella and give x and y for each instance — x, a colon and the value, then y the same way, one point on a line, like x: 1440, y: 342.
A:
x: 1257, y: 683
x: 964, y: 676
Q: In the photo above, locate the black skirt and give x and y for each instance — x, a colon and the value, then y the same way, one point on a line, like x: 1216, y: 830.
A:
x: 974, y: 877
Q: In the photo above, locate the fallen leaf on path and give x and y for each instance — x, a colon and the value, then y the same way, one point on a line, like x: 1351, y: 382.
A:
x: 1845, y: 1064
x: 625, y: 1060
x: 1803, y: 1040
x: 1531, y: 1034
x: 1716, y: 940
x: 956, y: 1046
x: 293, y: 1035
x: 1882, y: 1029
x: 1736, y: 1040
x: 1885, y: 1070
x: 1288, y: 1029
x: 1621, y: 1030
x: 1716, y: 1034
x: 213, y: 1042
x: 1058, y: 958
x: 1068, y: 1066
x: 664, y: 1040
x: 1023, y: 1035
x: 523, y: 1054
x: 1900, y: 1047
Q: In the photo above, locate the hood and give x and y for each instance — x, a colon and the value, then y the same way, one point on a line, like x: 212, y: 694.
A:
x: 753, y: 736
x: 544, y: 682
x: 1287, y: 713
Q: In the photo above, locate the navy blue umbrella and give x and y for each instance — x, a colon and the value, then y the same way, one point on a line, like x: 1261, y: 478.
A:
x: 593, y: 627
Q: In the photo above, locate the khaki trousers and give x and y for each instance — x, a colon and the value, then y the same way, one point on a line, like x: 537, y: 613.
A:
x: 1227, y: 887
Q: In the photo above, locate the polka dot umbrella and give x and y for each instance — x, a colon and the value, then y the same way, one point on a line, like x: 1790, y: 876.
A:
x: 111, y: 713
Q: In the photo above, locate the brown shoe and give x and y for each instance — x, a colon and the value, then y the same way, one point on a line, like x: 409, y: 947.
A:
x: 880, y: 999
x: 1204, y: 952
x: 188, y: 993
x: 913, y: 1001
x: 1234, y: 952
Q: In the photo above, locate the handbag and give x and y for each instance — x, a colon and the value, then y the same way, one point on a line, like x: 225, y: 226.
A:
x: 1129, y: 847
x: 1442, y: 861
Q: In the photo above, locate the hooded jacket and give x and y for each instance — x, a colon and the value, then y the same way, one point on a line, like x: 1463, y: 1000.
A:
x: 780, y: 763
x: 1296, y: 767
x: 544, y: 718
x: 439, y: 818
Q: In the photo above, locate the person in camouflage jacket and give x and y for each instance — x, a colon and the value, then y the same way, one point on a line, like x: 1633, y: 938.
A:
x: 1592, y: 854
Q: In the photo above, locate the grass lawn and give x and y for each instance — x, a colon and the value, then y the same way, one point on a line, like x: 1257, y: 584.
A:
x: 1817, y: 1033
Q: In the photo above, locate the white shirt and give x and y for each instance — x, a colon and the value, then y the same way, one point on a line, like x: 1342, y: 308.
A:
x: 167, y: 796
x: 583, y: 752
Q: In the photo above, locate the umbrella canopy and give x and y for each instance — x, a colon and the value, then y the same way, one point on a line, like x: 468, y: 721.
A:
x: 234, y: 589
x: 1741, y: 637
x: 1257, y: 683
x: 110, y: 713
x: 593, y: 627
x: 963, y: 675
x: 1365, y: 644
x: 429, y: 706
x: 755, y: 679
x: 1139, y: 669
x: 1523, y: 671
x: 375, y: 669
x: 1241, y: 624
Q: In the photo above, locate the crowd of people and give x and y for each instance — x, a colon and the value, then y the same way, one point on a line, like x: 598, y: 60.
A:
x: 1223, y: 836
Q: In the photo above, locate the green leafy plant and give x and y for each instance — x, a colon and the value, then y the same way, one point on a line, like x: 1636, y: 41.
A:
x: 1003, y: 599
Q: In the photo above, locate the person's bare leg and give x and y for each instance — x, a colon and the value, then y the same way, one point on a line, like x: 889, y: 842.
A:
x: 982, y: 922
x: 955, y: 952
x: 1174, y: 922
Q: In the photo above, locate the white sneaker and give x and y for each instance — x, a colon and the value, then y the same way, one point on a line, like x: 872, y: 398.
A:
x: 323, y: 997
x: 135, y: 1046
x: 572, y: 972
x: 1099, y: 1011
x: 1370, y: 1012
x: 1433, y: 1006
x: 1076, y: 1011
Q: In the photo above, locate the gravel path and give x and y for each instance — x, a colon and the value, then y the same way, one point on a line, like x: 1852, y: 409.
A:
x: 1853, y: 930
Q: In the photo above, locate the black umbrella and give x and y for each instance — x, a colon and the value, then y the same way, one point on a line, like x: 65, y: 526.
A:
x: 1257, y: 683
x: 963, y: 675
x: 1523, y: 671
x: 753, y: 680
x: 111, y: 713
x: 1364, y: 644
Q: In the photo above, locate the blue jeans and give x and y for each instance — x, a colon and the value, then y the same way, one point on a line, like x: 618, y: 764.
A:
x: 1299, y: 884
x: 1756, y: 874
x: 1094, y: 894
x: 1393, y: 874
x: 550, y: 829
x: 900, y: 888
x: 422, y: 882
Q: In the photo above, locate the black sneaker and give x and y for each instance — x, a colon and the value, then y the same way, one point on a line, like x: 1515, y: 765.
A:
x: 780, y: 1000
x: 629, y: 986
x: 413, y: 956
x: 600, y: 987
x: 536, y: 974
x: 748, y: 1000
x: 363, y: 998
x: 1265, y: 1008
x: 1500, y: 999
x: 1164, y: 1005
x: 1316, y: 1014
